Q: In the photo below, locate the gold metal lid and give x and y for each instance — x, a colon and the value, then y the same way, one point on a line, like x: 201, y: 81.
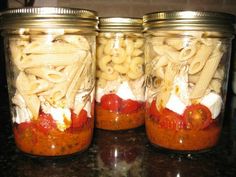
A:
x: 120, y: 24
x: 49, y: 17
x: 189, y: 20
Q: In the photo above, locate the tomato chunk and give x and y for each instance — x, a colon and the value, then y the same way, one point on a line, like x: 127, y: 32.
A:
x: 45, y: 122
x: 79, y: 120
x: 171, y: 120
x: 153, y: 112
x: 197, y: 116
x: 129, y: 106
x: 111, y: 102
x: 23, y: 126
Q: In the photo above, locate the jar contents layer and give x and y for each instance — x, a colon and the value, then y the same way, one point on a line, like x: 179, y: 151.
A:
x: 186, y: 87
x: 53, y: 79
x: 120, y: 81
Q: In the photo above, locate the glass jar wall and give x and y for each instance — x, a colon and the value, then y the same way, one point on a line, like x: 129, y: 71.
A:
x: 50, y: 56
x: 187, y: 62
x: 120, y: 74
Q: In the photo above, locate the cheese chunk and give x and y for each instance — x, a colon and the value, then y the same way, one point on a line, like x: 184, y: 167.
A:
x: 22, y: 115
x: 175, y: 104
x: 125, y: 92
x: 214, y: 103
x: 59, y: 115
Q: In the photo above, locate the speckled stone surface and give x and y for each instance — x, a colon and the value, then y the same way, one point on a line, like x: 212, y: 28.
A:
x: 119, y: 154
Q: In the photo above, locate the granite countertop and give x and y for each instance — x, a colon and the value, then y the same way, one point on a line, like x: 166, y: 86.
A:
x: 119, y: 154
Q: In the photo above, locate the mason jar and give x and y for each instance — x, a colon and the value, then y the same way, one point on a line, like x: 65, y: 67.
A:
x: 120, y: 74
x: 187, y: 59
x: 50, y: 62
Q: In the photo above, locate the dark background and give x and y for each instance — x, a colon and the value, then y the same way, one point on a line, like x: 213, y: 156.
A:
x: 3, y: 5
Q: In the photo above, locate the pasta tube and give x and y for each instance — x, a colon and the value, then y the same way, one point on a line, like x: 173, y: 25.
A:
x: 207, y: 73
x: 32, y: 101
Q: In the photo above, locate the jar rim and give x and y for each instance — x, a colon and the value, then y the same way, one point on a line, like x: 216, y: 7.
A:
x: 47, y: 17
x: 190, y: 20
x: 120, y: 24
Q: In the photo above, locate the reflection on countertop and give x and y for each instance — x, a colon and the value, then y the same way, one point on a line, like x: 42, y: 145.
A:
x: 119, y: 154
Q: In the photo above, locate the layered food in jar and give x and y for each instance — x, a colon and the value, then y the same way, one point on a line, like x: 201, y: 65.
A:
x: 120, y: 80
x: 51, y: 86
x: 186, y: 88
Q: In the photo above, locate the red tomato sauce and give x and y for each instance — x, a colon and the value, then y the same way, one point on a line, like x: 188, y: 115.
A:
x: 114, y: 113
x: 195, y: 130
x: 40, y: 137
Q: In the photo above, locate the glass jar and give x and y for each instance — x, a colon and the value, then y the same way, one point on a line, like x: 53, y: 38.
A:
x: 50, y: 58
x: 187, y: 58
x: 120, y: 74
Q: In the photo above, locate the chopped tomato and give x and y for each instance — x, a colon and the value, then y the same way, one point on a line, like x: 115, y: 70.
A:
x: 197, y: 116
x: 128, y: 106
x: 111, y: 102
x: 23, y: 126
x: 171, y: 120
x: 154, y: 113
x: 45, y: 122
x: 79, y: 120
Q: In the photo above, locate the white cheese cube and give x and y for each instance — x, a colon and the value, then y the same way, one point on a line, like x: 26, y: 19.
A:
x: 22, y: 115
x: 175, y: 104
x: 59, y: 114
x: 214, y: 103
x: 125, y: 92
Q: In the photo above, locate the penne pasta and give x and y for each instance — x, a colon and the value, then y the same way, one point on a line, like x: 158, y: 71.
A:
x: 49, y: 48
x: 207, y: 73
x: 78, y: 80
x: 47, y: 73
x: 172, y: 54
x: 32, y: 101
x: 162, y: 61
x: 176, y: 43
x: 187, y: 52
x: 200, y: 59
x: 59, y: 90
x: 38, y: 86
x: 51, y: 59
x: 16, y: 54
x: 194, y: 78
x: 79, y: 41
